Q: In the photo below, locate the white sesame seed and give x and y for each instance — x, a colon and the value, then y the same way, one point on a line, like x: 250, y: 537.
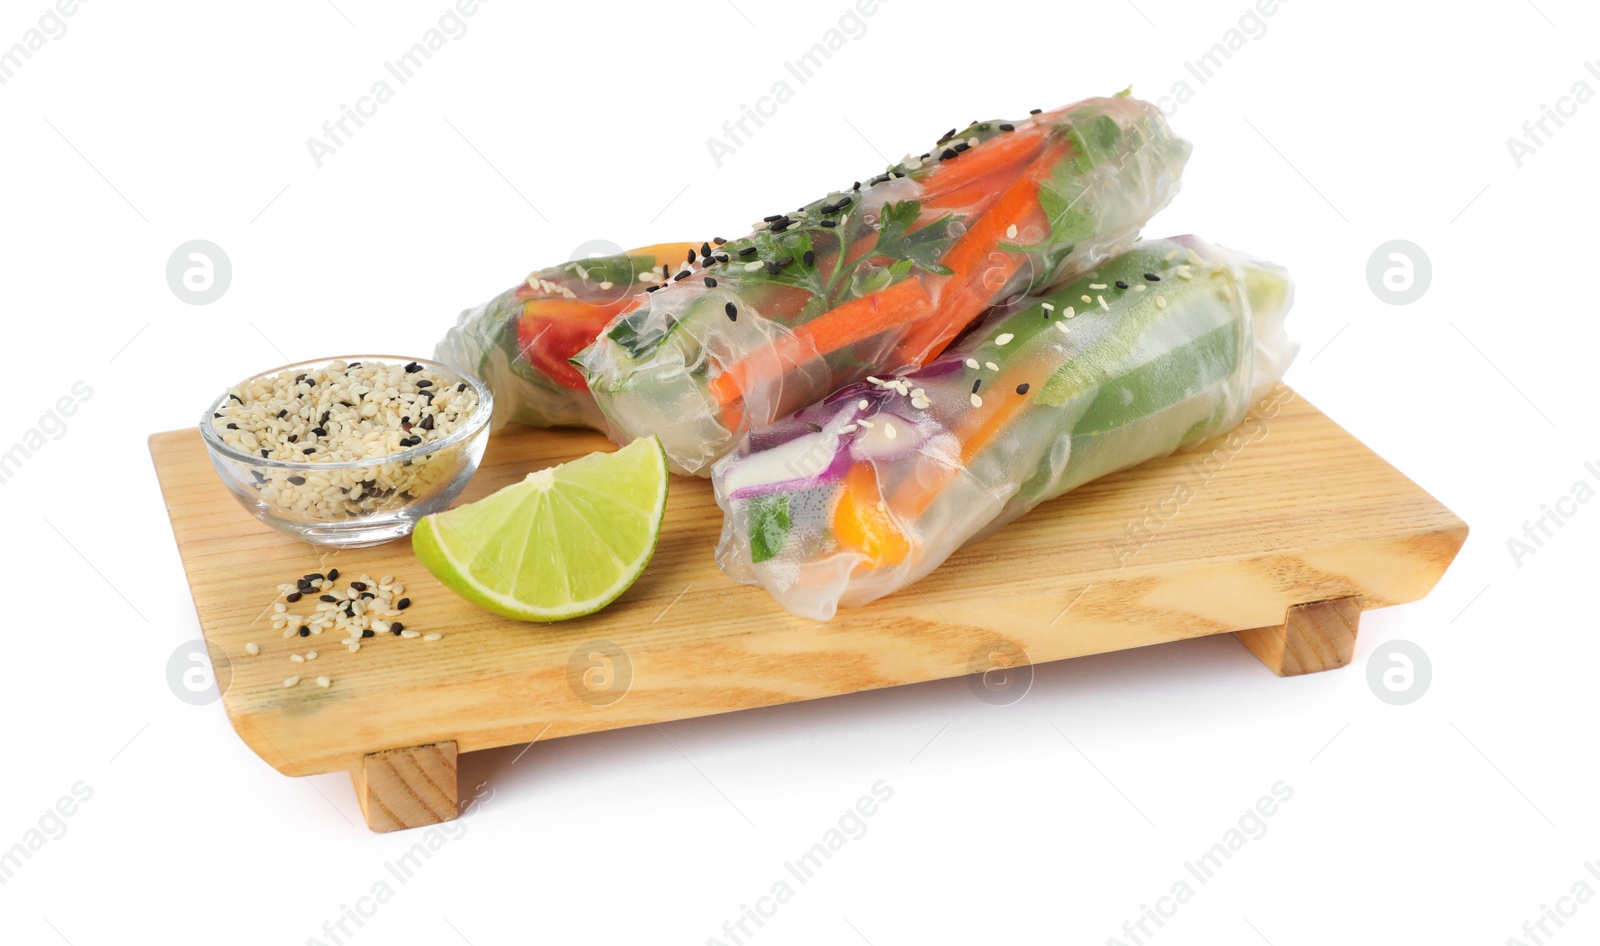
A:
x: 297, y: 658
x: 410, y: 633
x: 1171, y: 255
x: 1004, y: 339
x: 865, y: 423
x: 976, y: 400
x: 848, y: 429
x: 877, y: 381
x: 883, y: 506
x: 386, y: 580
x: 1069, y: 313
x: 1102, y: 301
x: 1193, y: 256
x: 1139, y: 287
x: 862, y: 404
x: 1161, y: 302
x: 1062, y: 326
x: 753, y: 265
x: 888, y: 430
x: 398, y: 589
x: 432, y: 637
x: 311, y: 655
x: 918, y: 392
x: 991, y: 366
x: 280, y: 607
x: 292, y: 681
x: 1047, y: 307
x: 1011, y: 232
x: 1185, y: 272
x: 1097, y: 285
x: 324, y: 682
x: 288, y: 632
x: 605, y: 286
x: 1087, y: 299
x: 353, y: 648
x: 252, y: 649
x: 920, y: 403
x: 972, y: 363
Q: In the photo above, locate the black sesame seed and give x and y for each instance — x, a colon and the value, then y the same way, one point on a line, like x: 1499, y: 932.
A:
x: 705, y: 249
x: 402, y: 604
x: 305, y: 631
x: 711, y: 283
x: 947, y: 154
x: 651, y: 288
x: 237, y: 398
x: 324, y: 418
x: 1034, y: 111
x: 328, y: 598
x: 719, y: 241
x: 747, y: 251
x: 830, y: 223
x: 782, y: 225
x: 413, y: 368
x: 665, y: 272
x: 723, y: 257
x: 396, y: 628
x: 815, y: 428
x: 1121, y: 284
x: 774, y: 218
x: 461, y: 387
x: 369, y: 632
x: 297, y: 480
x: 233, y: 426
x: 320, y: 431
x: 427, y: 422
x: 281, y: 414
x: 856, y: 186
x: 359, y: 585
x: 962, y: 147
x: 367, y: 596
x: 947, y: 136
x: 293, y: 596
x: 309, y: 451
x: 333, y: 574
x: 424, y: 384
x: 1152, y: 277
x: 691, y: 254
x: 1022, y: 388
x: 681, y: 276
x: 294, y: 438
x: 773, y: 267
x: 810, y: 258
x: 1007, y: 126
x: 976, y: 384
x: 733, y: 312
x: 784, y: 260
x: 263, y: 453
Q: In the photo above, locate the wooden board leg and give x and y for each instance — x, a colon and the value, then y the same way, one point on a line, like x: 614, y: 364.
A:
x: 1316, y: 636
x: 408, y: 788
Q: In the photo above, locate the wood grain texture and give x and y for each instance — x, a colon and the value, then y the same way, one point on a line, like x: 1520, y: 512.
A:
x: 407, y: 788
x: 1224, y: 537
x: 1317, y: 636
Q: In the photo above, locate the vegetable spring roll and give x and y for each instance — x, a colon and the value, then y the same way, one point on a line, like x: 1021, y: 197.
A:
x: 521, y: 341
x: 881, y: 276
x: 871, y: 489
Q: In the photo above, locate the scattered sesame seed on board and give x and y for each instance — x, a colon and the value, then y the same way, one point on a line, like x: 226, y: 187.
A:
x: 292, y: 681
x: 297, y: 658
x: 324, y: 682
x: 408, y: 634
x: 432, y: 637
x: 252, y: 649
x: 311, y: 655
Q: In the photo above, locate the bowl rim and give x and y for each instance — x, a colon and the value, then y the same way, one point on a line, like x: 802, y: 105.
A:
x: 479, y: 419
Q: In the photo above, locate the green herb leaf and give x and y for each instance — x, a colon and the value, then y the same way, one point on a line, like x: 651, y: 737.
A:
x: 769, y: 526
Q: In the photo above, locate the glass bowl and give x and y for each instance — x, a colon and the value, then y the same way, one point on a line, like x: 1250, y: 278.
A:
x: 355, y: 503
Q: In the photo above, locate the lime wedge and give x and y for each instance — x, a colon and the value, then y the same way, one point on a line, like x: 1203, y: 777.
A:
x: 562, y: 543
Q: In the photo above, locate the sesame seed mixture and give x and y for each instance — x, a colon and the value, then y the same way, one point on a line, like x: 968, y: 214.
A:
x: 363, y: 611
x: 341, y: 413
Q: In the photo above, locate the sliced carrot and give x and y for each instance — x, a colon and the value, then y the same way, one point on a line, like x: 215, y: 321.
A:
x: 954, y: 179
x: 903, y: 302
x: 860, y: 523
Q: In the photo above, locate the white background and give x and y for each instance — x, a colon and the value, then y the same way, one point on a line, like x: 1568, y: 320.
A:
x: 1450, y: 820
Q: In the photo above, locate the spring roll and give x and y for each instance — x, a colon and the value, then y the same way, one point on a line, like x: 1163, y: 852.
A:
x: 871, y: 489
x: 521, y: 341
x: 880, y: 276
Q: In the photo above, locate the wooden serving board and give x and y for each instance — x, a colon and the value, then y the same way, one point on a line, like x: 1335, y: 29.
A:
x: 1281, y: 532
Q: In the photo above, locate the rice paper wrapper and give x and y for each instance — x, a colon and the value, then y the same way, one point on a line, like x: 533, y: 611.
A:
x: 857, y: 496
x: 881, y: 276
x: 520, y: 342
